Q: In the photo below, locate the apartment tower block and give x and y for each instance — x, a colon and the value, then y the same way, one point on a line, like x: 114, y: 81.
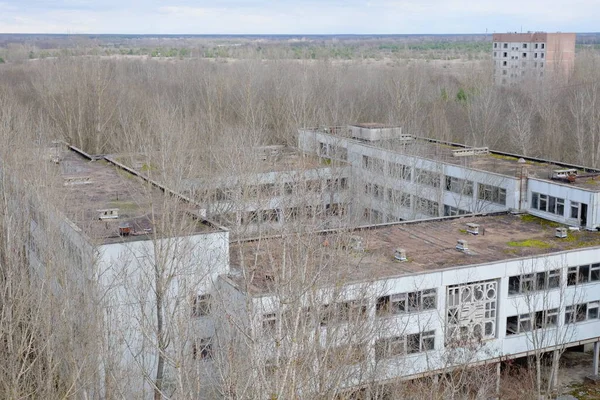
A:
x: 529, y: 57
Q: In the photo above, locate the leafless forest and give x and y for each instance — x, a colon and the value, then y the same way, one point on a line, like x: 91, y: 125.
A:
x: 199, y: 112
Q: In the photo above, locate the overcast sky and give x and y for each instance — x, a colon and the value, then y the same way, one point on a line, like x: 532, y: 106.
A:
x: 297, y: 16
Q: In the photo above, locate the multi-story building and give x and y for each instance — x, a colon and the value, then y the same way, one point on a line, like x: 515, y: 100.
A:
x: 279, y: 187
x: 409, y: 299
x: 132, y: 251
x: 520, y: 58
x: 402, y: 177
x: 411, y: 286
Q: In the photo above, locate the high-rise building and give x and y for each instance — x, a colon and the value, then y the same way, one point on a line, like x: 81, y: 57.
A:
x: 529, y: 57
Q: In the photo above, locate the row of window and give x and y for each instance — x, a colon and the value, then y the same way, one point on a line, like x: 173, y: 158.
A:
x: 457, y: 185
x: 524, y: 55
x: 583, y: 274
x: 491, y: 193
x: 535, y: 281
x: 387, y: 348
x: 523, y: 64
x: 400, y: 303
x: 423, y: 206
x: 546, y: 203
x: 545, y: 280
x: 272, y: 189
x: 460, y: 186
x: 549, y: 318
x: 400, y: 345
x: 536, y: 46
x: 275, y: 215
x: 530, y: 321
x: 327, y: 150
x: 355, y: 310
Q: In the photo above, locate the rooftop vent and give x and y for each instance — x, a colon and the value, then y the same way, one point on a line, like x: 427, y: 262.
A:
x: 108, y: 213
x: 400, y: 254
x: 561, y: 232
x: 124, y: 229
x: 472, y: 228
x: 461, y: 245
x: 77, y: 180
x: 470, y: 151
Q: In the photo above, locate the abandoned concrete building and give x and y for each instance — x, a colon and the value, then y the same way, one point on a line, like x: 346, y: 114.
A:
x: 437, y: 254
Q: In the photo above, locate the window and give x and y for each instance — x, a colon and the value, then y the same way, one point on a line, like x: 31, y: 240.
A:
x: 420, y: 342
x: 269, y: 323
x: 399, y: 171
x: 543, y: 202
x: 289, y: 188
x: 535, y: 55
x: 460, y: 186
x: 450, y: 211
x: 541, y: 55
x: 343, y: 312
x: 505, y: 45
x: 201, y: 305
x: 543, y: 45
x: 518, y: 324
x: 535, y: 281
x: 583, y: 274
x: 536, y: 45
x: 495, y: 45
x: 427, y: 207
x: 504, y: 63
x: 541, y: 65
x: 428, y: 178
x: 398, y: 198
x: 582, y: 312
x: 378, y: 165
x: 390, y: 347
x: 492, y: 193
x: 377, y: 191
x: 505, y: 54
x: 373, y: 164
x: 524, y: 55
x: 202, y: 350
x: 494, y: 54
x: 407, y: 302
x: 574, y: 210
x: 524, y: 45
x: 366, y: 162
x: 329, y: 151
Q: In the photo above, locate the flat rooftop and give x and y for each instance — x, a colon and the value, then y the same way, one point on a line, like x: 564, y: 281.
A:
x: 262, y: 159
x: 495, y: 162
x: 429, y: 245
x: 111, y: 205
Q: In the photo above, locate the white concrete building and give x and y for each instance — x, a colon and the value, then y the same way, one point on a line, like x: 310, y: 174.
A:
x: 279, y: 187
x: 404, y: 178
x: 421, y: 298
x: 120, y: 235
x: 386, y: 299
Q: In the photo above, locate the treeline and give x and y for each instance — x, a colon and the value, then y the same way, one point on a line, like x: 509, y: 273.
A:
x: 104, y: 105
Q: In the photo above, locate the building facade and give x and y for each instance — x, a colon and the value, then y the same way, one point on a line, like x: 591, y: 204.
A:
x: 405, y: 178
x: 522, y: 58
x: 451, y: 256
